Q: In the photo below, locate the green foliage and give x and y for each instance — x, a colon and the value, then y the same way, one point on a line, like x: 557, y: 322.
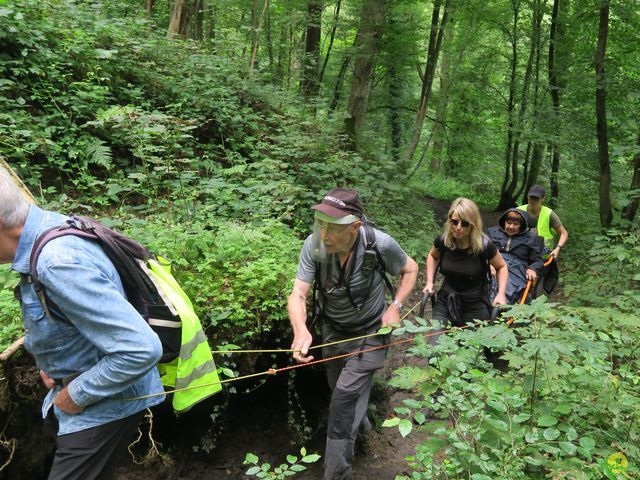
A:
x: 237, y: 275
x: 566, y: 406
x: 293, y: 466
x: 10, y: 320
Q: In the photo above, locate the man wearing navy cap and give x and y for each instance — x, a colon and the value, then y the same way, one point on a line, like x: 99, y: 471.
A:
x: 350, y: 285
x: 545, y: 221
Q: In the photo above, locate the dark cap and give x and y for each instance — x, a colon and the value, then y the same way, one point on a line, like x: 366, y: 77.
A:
x: 339, y: 203
x: 536, y: 191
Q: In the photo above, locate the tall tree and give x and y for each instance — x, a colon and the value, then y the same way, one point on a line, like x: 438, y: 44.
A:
x: 256, y: 24
x: 510, y: 170
x: 336, y: 15
x: 554, y: 90
x: 435, y: 43
x: 310, y: 81
x: 148, y: 6
x: 509, y: 195
x: 606, y: 214
x: 176, y: 17
x: 367, y: 45
x: 439, y: 128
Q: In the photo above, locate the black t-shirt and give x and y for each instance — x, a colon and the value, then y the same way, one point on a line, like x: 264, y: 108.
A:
x: 462, y: 270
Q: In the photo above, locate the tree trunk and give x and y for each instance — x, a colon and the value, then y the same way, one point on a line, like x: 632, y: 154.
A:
x: 283, y: 47
x: 554, y: 90
x: 435, y: 44
x: 506, y: 196
x: 148, y: 6
x: 209, y: 20
x: 256, y: 36
x: 198, y: 32
x: 311, y: 62
x: 269, y: 39
x: 439, y: 131
x: 337, y: 90
x: 601, y: 118
x: 533, y: 162
x: 174, y: 22
x: 630, y: 210
x: 185, y: 20
x: 336, y: 14
x: 369, y: 34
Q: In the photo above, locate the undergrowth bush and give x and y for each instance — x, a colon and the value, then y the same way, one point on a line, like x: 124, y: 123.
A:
x: 566, y: 407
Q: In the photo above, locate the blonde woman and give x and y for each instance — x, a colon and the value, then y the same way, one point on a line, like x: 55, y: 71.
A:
x: 463, y: 255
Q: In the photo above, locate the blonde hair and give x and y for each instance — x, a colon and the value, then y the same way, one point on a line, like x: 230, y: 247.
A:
x: 467, y: 211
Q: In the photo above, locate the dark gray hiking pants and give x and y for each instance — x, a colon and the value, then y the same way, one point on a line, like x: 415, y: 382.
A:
x: 350, y: 380
x: 94, y: 453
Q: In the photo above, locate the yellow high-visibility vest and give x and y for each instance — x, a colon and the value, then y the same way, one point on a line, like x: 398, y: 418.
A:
x: 194, y: 366
x: 544, y: 225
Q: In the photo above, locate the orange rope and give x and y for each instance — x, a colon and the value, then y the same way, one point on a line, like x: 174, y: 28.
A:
x: 274, y: 371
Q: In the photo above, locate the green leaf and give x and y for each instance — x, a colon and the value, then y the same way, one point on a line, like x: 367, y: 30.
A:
x: 251, y: 458
x: 402, y: 410
x: 568, y: 447
x: 384, y: 330
x: 405, y: 427
x: 563, y: 409
x: 314, y: 457
x: 521, y: 417
x: 292, y: 459
x: 572, y: 434
x: 533, y: 461
x: 587, y: 443
x: 391, y: 422
x: 419, y: 418
x: 547, y: 421
x: 253, y: 471
x: 480, y: 476
x: 551, y: 433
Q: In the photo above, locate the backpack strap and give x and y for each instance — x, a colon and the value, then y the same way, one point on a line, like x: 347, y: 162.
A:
x: 379, y: 265
x: 44, y: 238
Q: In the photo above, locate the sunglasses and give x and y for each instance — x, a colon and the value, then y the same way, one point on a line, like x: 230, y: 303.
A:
x: 455, y: 223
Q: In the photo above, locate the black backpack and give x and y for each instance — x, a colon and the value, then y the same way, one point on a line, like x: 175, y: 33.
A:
x: 130, y: 259
x: 372, y: 262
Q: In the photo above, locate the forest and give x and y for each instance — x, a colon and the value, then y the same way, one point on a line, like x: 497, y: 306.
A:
x: 206, y: 129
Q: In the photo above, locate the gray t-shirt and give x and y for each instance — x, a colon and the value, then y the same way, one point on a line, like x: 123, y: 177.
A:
x: 332, y: 293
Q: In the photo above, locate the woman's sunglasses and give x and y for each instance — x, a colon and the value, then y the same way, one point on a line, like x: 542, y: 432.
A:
x: 455, y: 223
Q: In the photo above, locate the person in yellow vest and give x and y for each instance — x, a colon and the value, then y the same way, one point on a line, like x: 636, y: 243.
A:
x: 545, y: 221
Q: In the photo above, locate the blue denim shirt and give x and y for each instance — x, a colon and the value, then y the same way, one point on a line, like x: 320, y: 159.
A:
x: 105, y: 340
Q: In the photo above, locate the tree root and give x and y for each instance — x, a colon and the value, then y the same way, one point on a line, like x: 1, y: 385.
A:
x: 153, y: 453
x: 8, y: 445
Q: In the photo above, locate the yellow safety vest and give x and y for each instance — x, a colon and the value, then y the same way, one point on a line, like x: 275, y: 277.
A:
x: 194, y: 367
x: 544, y: 225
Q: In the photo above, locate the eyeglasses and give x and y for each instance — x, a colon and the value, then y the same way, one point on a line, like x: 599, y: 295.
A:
x: 455, y: 223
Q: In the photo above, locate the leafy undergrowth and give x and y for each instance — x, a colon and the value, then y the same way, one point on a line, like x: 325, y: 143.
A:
x: 563, y: 404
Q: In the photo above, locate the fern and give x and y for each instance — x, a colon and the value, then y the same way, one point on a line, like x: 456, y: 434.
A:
x: 98, y: 153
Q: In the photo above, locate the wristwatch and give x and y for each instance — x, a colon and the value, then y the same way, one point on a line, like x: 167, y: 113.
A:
x: 398, y: 304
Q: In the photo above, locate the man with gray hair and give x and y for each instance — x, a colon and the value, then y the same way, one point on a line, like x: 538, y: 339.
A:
x: 347, y: 260
x: 94, y: 350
